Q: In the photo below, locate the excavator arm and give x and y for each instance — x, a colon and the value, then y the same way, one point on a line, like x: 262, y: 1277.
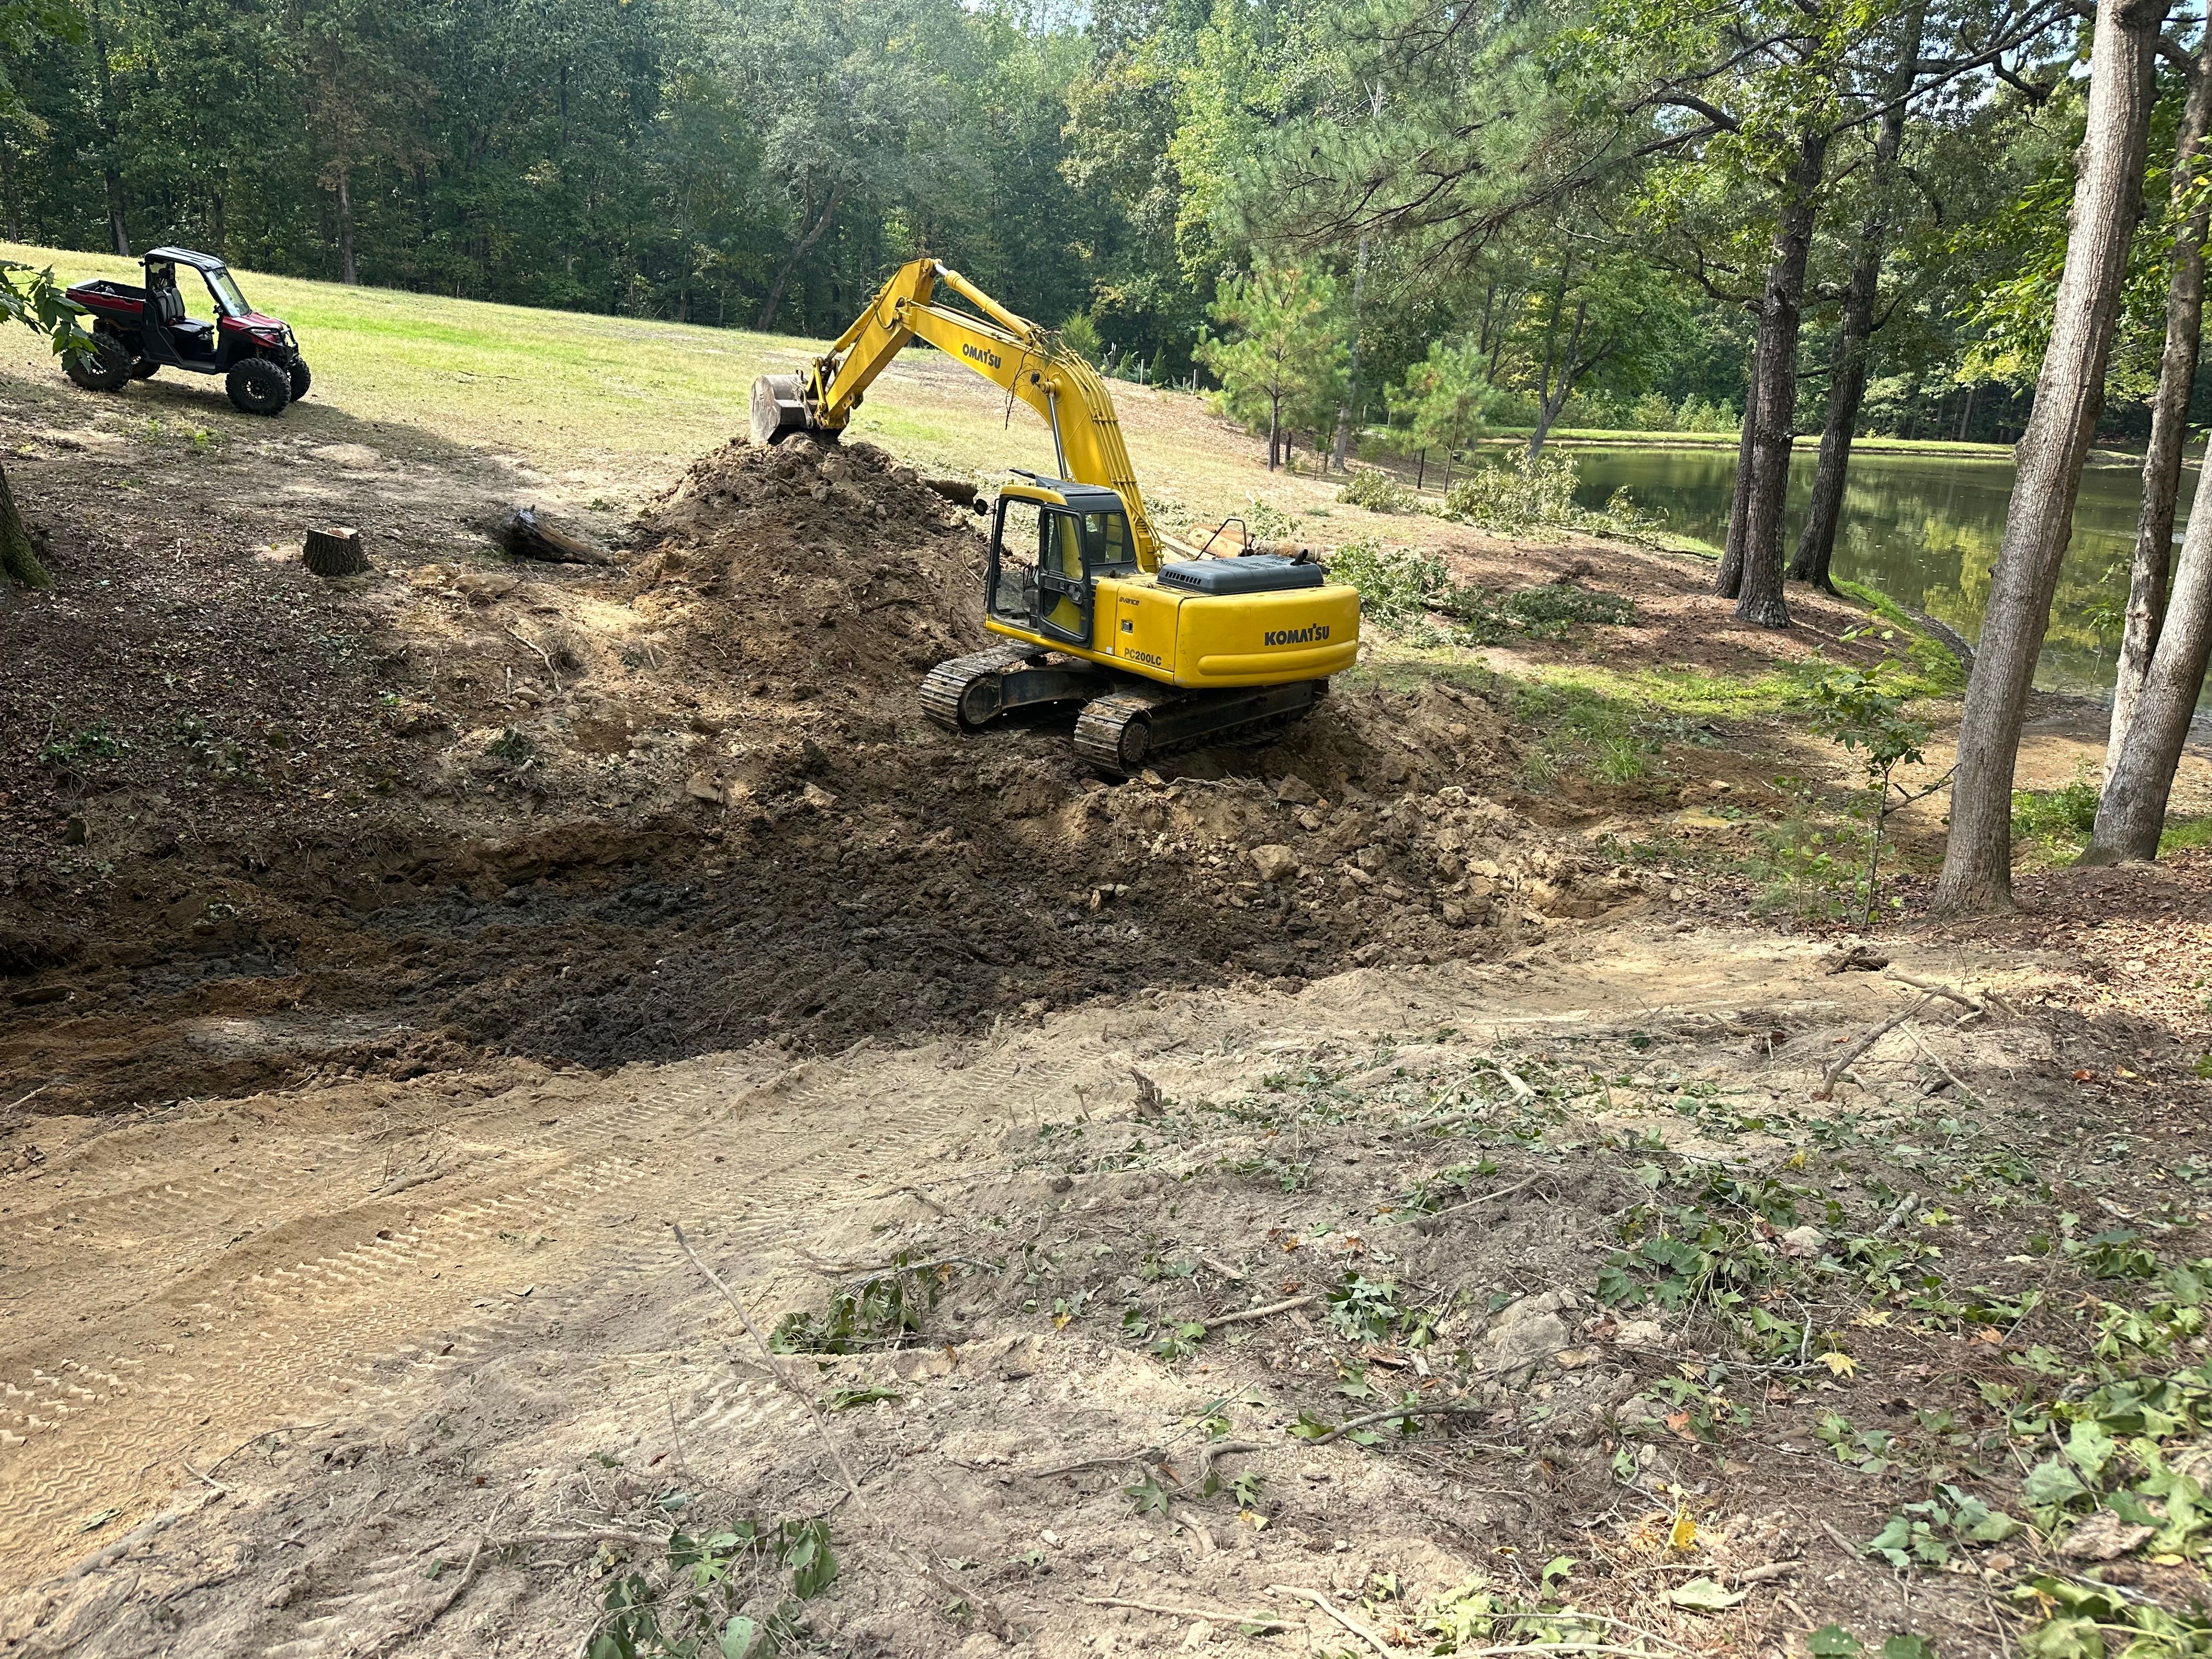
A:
x: 1030, y: 362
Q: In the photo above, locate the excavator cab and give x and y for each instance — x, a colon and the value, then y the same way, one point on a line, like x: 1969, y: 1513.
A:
x: 1051, y: 542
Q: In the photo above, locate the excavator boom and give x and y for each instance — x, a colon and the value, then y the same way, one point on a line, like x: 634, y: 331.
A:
x: 1030, y: 362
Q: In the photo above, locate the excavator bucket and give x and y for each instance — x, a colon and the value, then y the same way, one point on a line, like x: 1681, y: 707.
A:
x: 779, y: 406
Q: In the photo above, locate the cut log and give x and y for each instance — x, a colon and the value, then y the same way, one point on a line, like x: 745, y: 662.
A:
x: 526, y: 536
x: 335, y: 552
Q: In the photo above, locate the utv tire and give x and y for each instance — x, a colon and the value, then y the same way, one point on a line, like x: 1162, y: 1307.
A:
x: 300, y: 379
x: 143, y: 369
x: 105, y: 367
x: 257, y: 386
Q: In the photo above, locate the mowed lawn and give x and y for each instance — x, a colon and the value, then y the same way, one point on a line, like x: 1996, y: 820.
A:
x: 631, y: 399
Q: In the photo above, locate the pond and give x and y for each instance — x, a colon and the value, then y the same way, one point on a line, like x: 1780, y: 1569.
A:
x: 1923, y: 529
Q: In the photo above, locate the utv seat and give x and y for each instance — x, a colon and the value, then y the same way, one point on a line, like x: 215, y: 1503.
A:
x: 191, y: 338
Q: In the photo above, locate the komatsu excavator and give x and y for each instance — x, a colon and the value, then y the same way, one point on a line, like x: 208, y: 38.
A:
x: 1161, y: 645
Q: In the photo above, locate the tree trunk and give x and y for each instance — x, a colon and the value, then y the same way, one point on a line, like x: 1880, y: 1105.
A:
x: 1352, y: 376
x: 1727, y: 580
x: 11, y: 217
x: 347, y: 273
x: 119, y: 232
x: 1759, y: 598
x: 2069, y: 392
x: 1551, y: 402
x: 1847, y: 375
x: 2131, y: 812
x: 2169, y: 415
x: 19, y: 560
x: 805, y: 246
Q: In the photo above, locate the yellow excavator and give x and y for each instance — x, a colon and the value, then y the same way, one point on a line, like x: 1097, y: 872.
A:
x: 1162, y: 645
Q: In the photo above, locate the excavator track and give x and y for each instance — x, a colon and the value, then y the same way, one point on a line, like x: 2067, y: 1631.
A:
x: 1121, y: 732
x: 957, y: 694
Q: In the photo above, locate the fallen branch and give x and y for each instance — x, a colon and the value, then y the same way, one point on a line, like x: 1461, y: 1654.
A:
x: 1223, y: 1269
x: 1867, y: 1040
x: 1252, y: 1621
x: 1191, y: 1524
x: 1452, y: 1408
x: 986, y: 1612
x: 1269, y: 1311
x: 1935, y: 988
x: 524, y: 535
x: 1335, y: 1613
x: 1521, y: 1090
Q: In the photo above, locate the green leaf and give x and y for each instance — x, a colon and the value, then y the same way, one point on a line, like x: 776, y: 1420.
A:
x: 1893, y: 1543
x: 2090, y: 1447
x: 1907, y: 1645
x: 1705, y: 1596
x: 736, y: 1637
x: 2052, y: 1484
x: 1834, y: 1642
x: 813, y: 1566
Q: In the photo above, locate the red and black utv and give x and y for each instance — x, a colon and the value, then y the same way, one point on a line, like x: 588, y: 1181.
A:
x: 138, y: 330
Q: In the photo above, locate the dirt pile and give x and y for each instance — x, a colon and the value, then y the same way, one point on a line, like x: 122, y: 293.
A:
x: 833, y: 567
x: 691, y: 805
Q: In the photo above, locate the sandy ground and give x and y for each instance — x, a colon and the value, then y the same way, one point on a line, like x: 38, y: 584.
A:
x: 288, y: 1350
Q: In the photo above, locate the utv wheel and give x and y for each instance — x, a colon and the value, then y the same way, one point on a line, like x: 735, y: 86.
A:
x: 143, y: 369
x: 300, y: 379
x: 105, y: 367
x: 257, y: 386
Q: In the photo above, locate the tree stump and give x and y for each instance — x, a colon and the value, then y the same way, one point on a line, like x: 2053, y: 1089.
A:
x: 335, y: 552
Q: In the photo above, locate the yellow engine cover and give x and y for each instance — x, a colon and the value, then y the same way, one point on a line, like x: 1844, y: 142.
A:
x: 1202, y: 640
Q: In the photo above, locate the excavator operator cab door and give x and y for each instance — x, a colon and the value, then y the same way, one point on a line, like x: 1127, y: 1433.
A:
x: 1041, y: 569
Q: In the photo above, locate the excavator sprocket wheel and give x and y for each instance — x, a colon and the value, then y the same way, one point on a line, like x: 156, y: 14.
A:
x: 1115, y: 732
x: 961, y: 693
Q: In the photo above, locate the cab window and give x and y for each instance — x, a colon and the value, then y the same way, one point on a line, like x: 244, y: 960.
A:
x: 1108, y: 536
x: 1014, y: 568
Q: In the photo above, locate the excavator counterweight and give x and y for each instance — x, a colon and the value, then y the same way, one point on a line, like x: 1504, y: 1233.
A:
x: 1165, y: 645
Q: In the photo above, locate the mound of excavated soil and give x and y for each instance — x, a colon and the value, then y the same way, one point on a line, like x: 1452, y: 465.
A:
x: 833, y: 569
x: 725, y: 820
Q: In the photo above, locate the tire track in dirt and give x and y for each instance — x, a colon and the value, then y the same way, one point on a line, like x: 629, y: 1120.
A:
x: 353, y: 1332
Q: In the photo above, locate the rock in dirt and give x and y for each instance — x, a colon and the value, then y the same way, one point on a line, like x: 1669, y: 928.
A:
x: 1530, y: 1331
x: 2103, y: 1537
x: 1274, y: 862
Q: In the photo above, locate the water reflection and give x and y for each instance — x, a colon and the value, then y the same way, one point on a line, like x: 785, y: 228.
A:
x: 1924, y: 528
